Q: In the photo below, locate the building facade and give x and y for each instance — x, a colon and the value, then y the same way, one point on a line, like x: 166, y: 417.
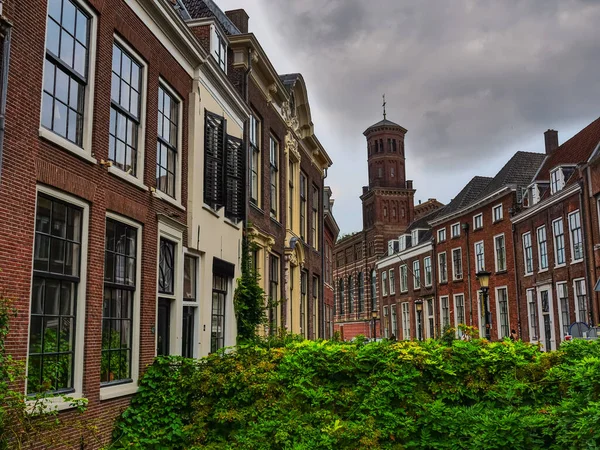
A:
x: 330, y: 235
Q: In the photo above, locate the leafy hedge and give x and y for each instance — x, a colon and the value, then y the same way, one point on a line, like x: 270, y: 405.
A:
x: 328, y: 395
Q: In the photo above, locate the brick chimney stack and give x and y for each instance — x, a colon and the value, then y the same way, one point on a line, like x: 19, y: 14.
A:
x: 239, y: 19
x: 551, y: 139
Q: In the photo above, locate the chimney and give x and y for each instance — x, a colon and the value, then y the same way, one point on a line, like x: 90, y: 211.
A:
x: 239, y: 19
x: 551, y: 139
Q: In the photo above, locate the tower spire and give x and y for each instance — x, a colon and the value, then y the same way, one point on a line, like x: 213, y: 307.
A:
x: 384, y: 103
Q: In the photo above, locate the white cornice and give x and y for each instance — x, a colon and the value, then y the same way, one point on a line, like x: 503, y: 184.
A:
x: 545, y: 203
x: 403, y: 256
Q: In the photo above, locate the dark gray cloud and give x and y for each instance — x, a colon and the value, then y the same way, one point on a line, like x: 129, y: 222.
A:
x: 472, y: 80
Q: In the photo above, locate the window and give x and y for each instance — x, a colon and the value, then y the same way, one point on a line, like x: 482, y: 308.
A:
x: 542, y: 248
x: 223, y: 168
x: 274, y: 293
x: 443, y: 267
x: 393, y: 281
x: 166, y: 266
x: 303, y: 198
x: 502, y: 308
x: 341, y: 296
x: 455, y: 230
x: 497, y: 213
x: 254, y: 134
x: 557, y: 180
x: 125, y: 111
x: 373, y: 288
x: 218, y: 48
x: 350, y: 295
x: 403, y: 278
x: 392, y: 175
x: 457, y: 264
x: 430, y: 318
x: 57, y: 298
x: 527, y: 253
x: 500, y: 251
x: 576, y: 239
x: 405, y: 321
x: 66, y: 93
x: 427, y: 265
x: 386, y: 332
x: 479, y: 257
x: 478, y: 221
x: 459, y: 312
x: 563, y: 304
x: 274, y: 166
x: 315, y: 218
x: 445, y: 312
x: 120, y: 285
x: 580, y: 301
x: 559, y: 242
x: 416, y: 274
x: 534, y: 333
x: 441, y: 235
x: 166, y: 295
x: 304, y: 303
x: 394, y: 322
x: 190, y: 306
x: 217, y: 328
x: 315, y: 308
x: 379, y: 172
x: 166, y: 150
x: 414, y: 237
x: 361, y: 292
x: 384, y: 285
x: 290, y: 218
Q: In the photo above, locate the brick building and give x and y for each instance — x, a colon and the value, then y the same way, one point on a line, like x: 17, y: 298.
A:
x: 387, y: 210
x: 330, y: 234
x: 286, y: 171
x: 116, y: 232
x: 554, y: 236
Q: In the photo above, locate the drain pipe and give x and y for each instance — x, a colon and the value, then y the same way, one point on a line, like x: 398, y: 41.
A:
x: 517, y: 284
x: 588, y: 286
x: 5, y: 29
x: 465, y: 227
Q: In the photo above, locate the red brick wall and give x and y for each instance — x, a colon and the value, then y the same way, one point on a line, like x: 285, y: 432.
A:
x: 29, y: 160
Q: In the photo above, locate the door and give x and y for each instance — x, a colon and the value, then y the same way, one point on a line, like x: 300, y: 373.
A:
x: 163, y: 320
x: 546, y: 318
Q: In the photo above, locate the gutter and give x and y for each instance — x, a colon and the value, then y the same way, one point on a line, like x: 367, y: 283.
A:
x: 588, y: 283
x: 6, y: 30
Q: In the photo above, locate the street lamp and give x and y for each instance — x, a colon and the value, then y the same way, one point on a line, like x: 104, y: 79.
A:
x: 374, y: 321
x: 484, y: 282
x: 419, y: 307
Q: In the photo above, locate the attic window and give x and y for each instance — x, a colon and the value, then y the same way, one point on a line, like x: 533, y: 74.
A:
x: 557, y: 180
x: 415, y: 237
x: 218, y: 48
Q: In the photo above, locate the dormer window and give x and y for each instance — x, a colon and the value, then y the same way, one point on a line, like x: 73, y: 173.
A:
x: 218, y: 48
x: 415, y: 237
x: 534, y: 194
x: 557, y: 180
x: 403, y: 243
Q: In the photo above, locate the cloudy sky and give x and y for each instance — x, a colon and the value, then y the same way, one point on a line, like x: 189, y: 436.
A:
x: 473, y: 81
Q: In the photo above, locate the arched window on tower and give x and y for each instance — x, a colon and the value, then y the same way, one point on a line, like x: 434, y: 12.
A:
x: 381, y: 145
x: 385, y: 211
x: 380, y: 172
x: 394, y: 148
x: 392, y: 172
x: 389, y: 144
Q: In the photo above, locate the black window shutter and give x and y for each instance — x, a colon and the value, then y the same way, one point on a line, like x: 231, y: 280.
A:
x: 234, y: 179
x: 213, y: 160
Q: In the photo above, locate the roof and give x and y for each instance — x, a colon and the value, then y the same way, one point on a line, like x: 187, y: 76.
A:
x: 574, y: 151
x: 289, y: 79
x: 383, y: 123
x: 208, y: 9
x: 469, y: 194
x: 519, y: 170
x: 423, y: 222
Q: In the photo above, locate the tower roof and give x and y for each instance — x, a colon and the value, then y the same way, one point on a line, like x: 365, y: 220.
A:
x: 384, y: 124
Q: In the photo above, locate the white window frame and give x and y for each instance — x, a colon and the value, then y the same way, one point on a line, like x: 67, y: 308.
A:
x: 429, y: 331
x: 216, y: 35
x: 445, y: 272
x: 108, y: 392
x: 454, y: 227
x: 539, y: 248
x: 426, y: 272
x: 499, y: 269
x: 137, y: 180
x: 175, y: 235
x: 456, y: 322
x: 441, y: 234
x: 576, y: 300
x: 394, y: 321
x: 497, y: 217
x: 571, y: 243
x: 557, y: 180
x: 384, y: 284
x: 194, y: 304
x: 481, y: 314
x: 454, y: 274
x: 531, y: 297
x: 404, y: 278
x: 57, y: 402
x: 392, y: 281
x: 385, y: 322
x: 162, y: 83
x: 416, y: 271
x: 554, y: 236
x: 499, y: 322
x: 477, y: 268
x: 442, y: 319
x: 84, y: 152
x: 475, y: 217
x: 525, y: 258
x: 559, y: 286
x: 405, y: 311
x: 414, y: 237
x: 542, y: 337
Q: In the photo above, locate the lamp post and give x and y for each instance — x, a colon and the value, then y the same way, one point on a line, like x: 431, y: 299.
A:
x: 374, y: 322
x: 419, y: 308
x: 484, y: 282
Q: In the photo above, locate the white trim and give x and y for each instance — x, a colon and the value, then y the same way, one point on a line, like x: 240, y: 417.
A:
x: 56, y: 402
x: 556, y: 263
x: 478, y: 269
x: 137, y: 180
x: 499, y: 322
x: 456, y: 322
x: 84, y: 152
x: 441, y: 299
x: 167, y: 198
x: 454, y: 277
x: 539, y: 248
x: 392, y: 281
x: 425, y: 272
x: 439, y: 233
x: 452, y: 235
x: 439, y: 261
x: 494, y: 220
x: 542, y: 328
x: 526, y: 271
x: 573, y: 260
x: 384, y: 283
x: 575, y: 300
x: 404, y: 271
x: 531, y: 299
x: 429, y: 332
x: 571, y: 189
x: 416, y: 281
x: 481, y: 314
x: 405, y: 309
x: 474, y: 225
x: 411, y: 252
x: 394, y: 320
x: 107, y: 391
x: 561, y: 323
x: 496, y: 254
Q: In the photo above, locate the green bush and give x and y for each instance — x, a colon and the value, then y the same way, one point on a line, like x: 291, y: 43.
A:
x: 331, y: 395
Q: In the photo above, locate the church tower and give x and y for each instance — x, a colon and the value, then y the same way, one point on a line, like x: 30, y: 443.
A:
x: 388, y: 200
